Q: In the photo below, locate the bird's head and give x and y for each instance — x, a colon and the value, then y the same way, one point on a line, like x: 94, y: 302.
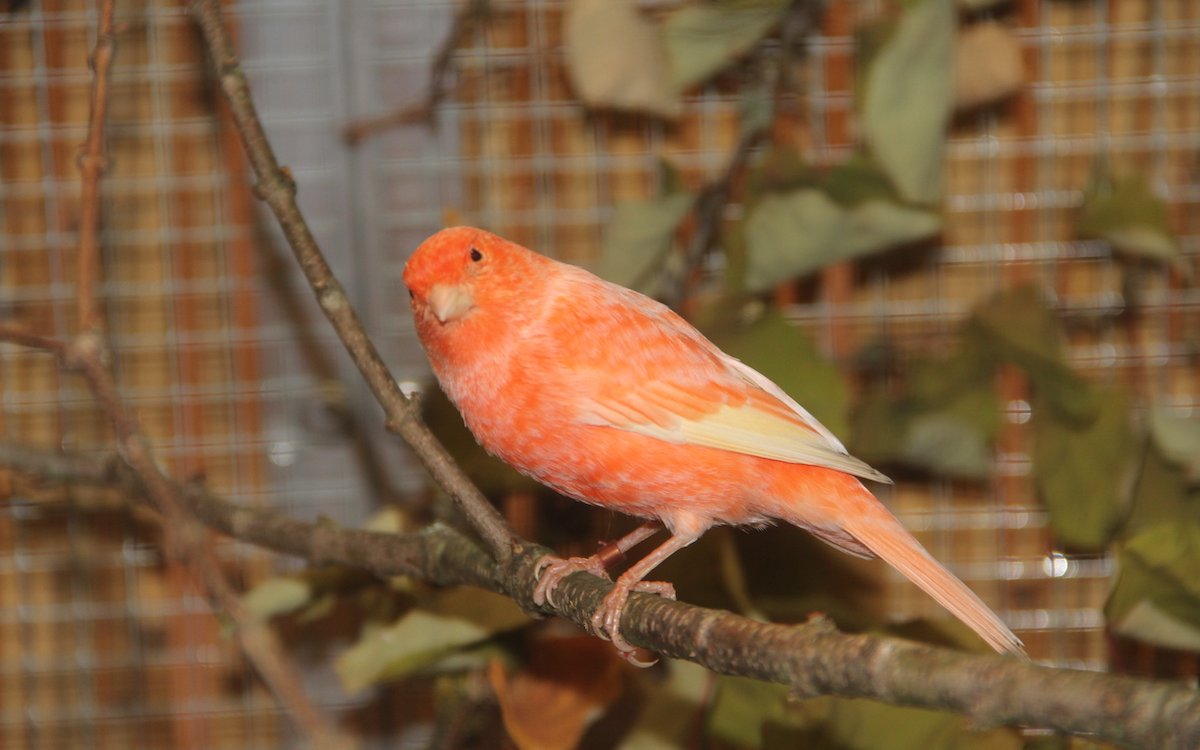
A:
x: 461, y: 271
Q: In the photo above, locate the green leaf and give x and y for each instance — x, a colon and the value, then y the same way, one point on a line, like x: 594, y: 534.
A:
x: 742, y: 706
x: 705, y: 37
x: 669, y: 708
x: 858, y: 180
x: 616, y: 58
x: 1160, y: 494
x: 1018, y: 326
x: 1082, y: 471
x: 909, y: 97
x: 880, y: 424
x: 958, y: 413
x: 1020, y: 321
x: 945, y: 422
x: 794, y: 233
x: 946, y: 444
x: 637, y: 239
x: 778, y: 170
x: 453, y: 620
x: 278, y: 596
x: 968, y: 368
x: 766, y: 341
x: 1157, y: 594
x: 1124, y: 212
x: 1146, y: 622
x: 1178, y: 439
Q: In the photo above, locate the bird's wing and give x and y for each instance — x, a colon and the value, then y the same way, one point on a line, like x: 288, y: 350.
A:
x: 675, y: 385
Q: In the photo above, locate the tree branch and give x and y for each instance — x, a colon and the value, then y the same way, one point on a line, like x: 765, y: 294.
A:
x: 425, y: 111
x: 278, y: 190
x: 812, y: 658
x: 86, y: 353
x: 92, y: 164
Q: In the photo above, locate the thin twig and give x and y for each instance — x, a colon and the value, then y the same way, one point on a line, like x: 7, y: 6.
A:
x: 92, y: 164
x: 278, y: 190
x: 86, y: 353
x: 813, y: 659
x: 710, y: 203
x: 17, y: 333
x: 186, y: 542
x: 709, y: 208
x: 425, y: 111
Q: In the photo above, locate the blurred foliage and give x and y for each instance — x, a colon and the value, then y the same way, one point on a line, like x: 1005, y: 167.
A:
x: 638, y: 240
x: 907, y: 95
x: 617, y: 58
x: 1162, y: 491
x: 1178, y: 440
x: 703, y: 38
x: 1082, y: 470
x: 1123, y: 211
x: 1157, y: 594
x: 1018, y: 326
x: 442, y: 624
x: 799, y: 231
x: 943, y: 420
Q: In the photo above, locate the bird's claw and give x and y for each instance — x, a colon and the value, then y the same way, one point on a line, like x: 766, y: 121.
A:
x: 606, y: 620
x: 551, y: 570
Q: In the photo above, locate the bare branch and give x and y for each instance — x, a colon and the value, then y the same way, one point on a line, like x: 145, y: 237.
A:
x: 185, y: 540
x: 425, y: 111
x: 257, y: 641
x: 16, y: 333
x: 278, y: 190
x: 92, y: 163
x: 812, y: 658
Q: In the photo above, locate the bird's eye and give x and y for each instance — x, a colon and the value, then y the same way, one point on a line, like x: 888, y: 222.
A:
x: 476, y: 256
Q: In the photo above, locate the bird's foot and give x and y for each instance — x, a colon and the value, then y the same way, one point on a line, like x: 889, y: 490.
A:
x: 552, y: 570
x: 606, y: 620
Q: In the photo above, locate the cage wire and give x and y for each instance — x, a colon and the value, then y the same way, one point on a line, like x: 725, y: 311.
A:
x: 105, y: 644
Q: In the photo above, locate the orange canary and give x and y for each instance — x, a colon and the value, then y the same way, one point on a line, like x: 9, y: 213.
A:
x: 611, y: 398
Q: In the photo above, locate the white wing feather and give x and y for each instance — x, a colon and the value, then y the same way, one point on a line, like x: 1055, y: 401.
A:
x: 656, y: 412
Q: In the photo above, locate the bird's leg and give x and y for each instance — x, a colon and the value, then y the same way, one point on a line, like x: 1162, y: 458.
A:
x: 607, y: 619
x: 552, y: 570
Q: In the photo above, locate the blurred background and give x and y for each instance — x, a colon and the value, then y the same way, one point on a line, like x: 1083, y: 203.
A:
x: 978, y: 269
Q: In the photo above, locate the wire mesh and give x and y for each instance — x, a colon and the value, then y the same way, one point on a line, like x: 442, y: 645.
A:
x: 104, y: 644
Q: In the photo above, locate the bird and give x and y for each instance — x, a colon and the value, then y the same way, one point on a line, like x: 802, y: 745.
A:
x: 611, y: 398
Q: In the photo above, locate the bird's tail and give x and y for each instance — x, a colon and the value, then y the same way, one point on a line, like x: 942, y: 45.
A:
x: 883, y: 534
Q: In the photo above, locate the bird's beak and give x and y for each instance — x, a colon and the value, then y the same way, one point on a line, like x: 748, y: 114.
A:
x: 450, y: 301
